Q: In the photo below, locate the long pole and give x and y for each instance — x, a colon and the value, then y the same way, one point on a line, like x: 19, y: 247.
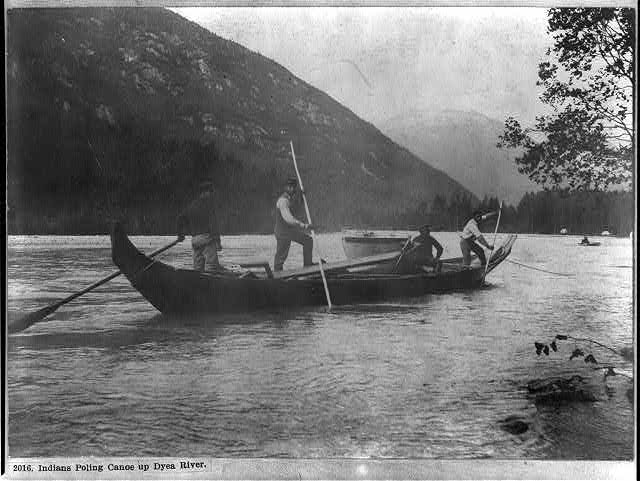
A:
x: 313, y: 234
x: 37, y: 316
x: 493, y: 245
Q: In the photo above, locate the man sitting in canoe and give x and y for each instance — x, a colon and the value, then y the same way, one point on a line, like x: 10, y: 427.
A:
x: 419, y: 252
x: 470, y: 234
x: 199, y: 219
x: 288, y: 229
x: 585, y: 241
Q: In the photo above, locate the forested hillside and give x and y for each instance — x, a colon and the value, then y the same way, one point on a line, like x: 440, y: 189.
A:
x: 544, y: 212
x: 120, y: 112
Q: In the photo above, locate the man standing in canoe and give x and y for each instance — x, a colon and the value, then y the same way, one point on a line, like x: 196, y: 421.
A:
x: 470, y: 234
x: 288, y: 228
x: 199, y: 219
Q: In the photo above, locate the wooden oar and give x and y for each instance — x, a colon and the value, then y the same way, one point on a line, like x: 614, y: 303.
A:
x: 495, y: 235
x: 313, y: 234
x: 30, y: 319
x: 405, y: 248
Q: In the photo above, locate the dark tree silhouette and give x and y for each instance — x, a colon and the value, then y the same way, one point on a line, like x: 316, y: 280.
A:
x: 587, y: 141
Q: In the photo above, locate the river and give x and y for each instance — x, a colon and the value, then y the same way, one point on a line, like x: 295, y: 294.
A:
x: 432, y: 377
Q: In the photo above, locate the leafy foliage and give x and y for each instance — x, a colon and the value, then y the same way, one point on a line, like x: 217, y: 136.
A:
x: 590, y: 359
x: 576, y: 353
x: 587, y: 141
x: 579, y: 352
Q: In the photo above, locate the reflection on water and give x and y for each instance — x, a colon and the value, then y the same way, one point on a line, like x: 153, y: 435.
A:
x: 421, y: 378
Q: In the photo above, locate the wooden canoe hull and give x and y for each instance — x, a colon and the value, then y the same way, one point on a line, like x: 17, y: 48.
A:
x: 181, y: 291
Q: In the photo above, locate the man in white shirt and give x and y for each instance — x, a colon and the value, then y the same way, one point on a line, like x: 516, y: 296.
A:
x: 288, y: 229
x: 470, y: 234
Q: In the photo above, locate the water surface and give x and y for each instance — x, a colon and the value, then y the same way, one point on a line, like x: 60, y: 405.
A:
x: 432, y: 377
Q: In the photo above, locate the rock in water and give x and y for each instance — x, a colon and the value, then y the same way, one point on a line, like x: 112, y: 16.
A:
x: 514, y: 425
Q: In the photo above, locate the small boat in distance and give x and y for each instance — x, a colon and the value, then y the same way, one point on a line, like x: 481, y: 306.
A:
x: 362, y: 243
x: 181, y: 291
x: 585, y: 242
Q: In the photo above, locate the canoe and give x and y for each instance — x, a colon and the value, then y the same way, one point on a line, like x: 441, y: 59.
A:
x: 180, y: 291
x: 364, y: 243
x: 590, y: 244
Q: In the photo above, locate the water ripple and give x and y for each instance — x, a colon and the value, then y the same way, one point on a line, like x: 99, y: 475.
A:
x: 432, y: 377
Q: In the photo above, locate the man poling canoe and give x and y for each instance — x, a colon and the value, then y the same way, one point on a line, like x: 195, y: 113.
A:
x: 470, y: 237
x: 288, y: 228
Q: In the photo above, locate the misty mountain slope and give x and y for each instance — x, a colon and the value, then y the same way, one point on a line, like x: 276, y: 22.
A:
x: 463, y: 144
x: 126, y: 109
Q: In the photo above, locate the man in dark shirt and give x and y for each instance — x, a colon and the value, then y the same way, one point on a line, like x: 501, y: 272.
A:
x: 419, y: 252
x: 288, y: 228
x: 199, y: 219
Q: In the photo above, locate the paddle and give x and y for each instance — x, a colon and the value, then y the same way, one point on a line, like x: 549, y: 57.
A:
x: 495, y: 235
x: 30, y: 319
x: 313, y: 234
x: 405, y: 248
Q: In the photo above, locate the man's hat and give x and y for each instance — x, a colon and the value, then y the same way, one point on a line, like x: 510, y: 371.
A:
x: 477, y: 213
x: 292, y: 181
x: 425, y: 227
x: 206, y: 185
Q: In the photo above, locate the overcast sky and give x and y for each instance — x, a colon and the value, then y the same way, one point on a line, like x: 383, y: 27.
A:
x: 381, y: 62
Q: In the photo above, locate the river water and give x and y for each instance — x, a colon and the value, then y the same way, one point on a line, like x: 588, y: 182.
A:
x: 432, y: 377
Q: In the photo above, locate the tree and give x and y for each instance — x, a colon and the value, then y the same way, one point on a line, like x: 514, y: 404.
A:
x: 587, y: 139
x: 439, y: 213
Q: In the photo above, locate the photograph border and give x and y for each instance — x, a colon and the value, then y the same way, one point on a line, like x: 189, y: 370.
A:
x: 338, y: 468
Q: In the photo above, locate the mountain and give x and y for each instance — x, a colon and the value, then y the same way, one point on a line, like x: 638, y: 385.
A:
x: 462, y: 144
x: 122, y: 111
